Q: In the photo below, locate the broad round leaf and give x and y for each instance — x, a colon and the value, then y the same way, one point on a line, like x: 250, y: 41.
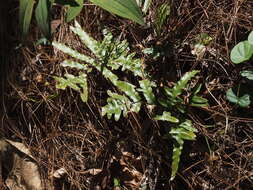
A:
x: 231, y: 96
x: 244, y: 101
x: 250, y: 38
x: 241, y: 52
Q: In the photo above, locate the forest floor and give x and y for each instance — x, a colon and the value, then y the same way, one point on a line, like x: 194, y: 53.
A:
x: 62, y: 132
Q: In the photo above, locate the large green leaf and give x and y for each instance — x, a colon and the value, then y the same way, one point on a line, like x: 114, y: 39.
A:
x: 241, y: 52
x: 124, y: 8
x: 25, y: 15
x: 42, y: 14
x: 250, y: 38
x: 74, y: 10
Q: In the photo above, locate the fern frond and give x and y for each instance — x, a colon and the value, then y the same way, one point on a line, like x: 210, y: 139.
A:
x: 181, y: 84
x: 166, y: 116
x: 146, y: 88
x: 73, y: 53
x: 85, y: 38
x: 116, y: 105
x: 182, y: 132
x: 77, y: 83
x: 74, y: 64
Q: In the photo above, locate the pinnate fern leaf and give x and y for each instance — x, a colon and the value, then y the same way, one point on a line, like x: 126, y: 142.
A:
x: 166, y: 116
x: 146, y: 88
x: 110, y: 52
x: 74, y: 64
x: 73, y: 53
x: 85, y: 38
x: 77, y: 83
x: 181, y: 84
x: 184, y: 131
x: 116, y: 105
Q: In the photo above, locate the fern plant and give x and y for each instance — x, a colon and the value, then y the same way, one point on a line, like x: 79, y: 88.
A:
x: 111, y: 55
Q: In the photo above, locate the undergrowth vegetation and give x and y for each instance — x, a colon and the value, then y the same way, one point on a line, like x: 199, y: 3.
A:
x: 242, y: 52
x: 113, y: 55
x: 130, y: 94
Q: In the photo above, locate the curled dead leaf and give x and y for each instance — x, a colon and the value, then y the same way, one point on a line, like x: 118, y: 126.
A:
x: 22, y: 169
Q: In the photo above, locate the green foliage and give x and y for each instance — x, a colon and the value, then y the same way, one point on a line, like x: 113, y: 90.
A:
x: 124, y: 8
x: 146, y: 88
x: 73, y: 64
x: 117, y: 104
x: 173, y: 98
x: 25, y: 15
x: 42, y: 14
x: 247, y: 74
x: 116, y: 182
x: 243, y: 51
x: 183, y: 132
x: 196, y: 100
x: 162, y: 14
x: 112, y: 55
x: 181, y: 84
x: 243, y: 101
x: 204, y: 39
x: 250, y: 38
x: 77, y: 83
x: 73, y: 11
x: 200, y: 46
x: 153, y: 52
x: 74, y: 7
x: 166, y: 117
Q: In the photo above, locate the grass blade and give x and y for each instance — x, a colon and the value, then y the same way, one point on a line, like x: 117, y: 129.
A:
x: 74, y: 10
x: 25, y: 15
x: 42, y: 14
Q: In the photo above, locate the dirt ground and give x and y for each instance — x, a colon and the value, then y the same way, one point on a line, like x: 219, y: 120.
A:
x: 62, y: 132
